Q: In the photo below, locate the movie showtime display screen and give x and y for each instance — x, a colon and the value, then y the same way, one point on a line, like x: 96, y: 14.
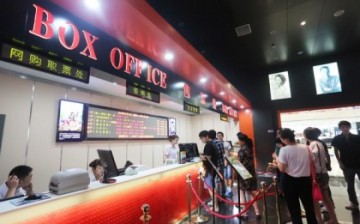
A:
x: 109, y: 123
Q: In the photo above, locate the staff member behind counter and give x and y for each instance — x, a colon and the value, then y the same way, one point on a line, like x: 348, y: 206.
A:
x: 171, y: 154
x: 18, y: 183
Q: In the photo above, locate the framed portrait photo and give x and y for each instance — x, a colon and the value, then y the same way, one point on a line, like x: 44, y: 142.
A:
x: 279, y: 85
x: 327, y: 78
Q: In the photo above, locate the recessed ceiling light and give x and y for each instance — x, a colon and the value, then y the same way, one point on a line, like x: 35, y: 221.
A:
x: 92, y: 4
x: 339, y: 13
x: 169, y: 56
x: 203, y: 80
x: 222, y: 93
x: 247, y: 111
x: 234, y: 101
x: 241, y: 106
x: 303, y: 23
x: 300, y: 52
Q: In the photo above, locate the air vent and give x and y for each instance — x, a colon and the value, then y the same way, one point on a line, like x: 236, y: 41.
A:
x: 243, y: 30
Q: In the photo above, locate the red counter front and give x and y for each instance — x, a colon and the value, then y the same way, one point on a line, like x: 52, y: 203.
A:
x: 164, y: 189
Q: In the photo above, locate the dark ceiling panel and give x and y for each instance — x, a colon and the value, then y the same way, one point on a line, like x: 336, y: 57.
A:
x: 210, y: 27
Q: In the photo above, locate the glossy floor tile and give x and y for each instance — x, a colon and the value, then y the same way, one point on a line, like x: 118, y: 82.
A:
x: 339, y: 192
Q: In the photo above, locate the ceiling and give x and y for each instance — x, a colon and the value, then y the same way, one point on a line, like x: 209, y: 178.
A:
x: 276, y: 38
x: 202, y: 35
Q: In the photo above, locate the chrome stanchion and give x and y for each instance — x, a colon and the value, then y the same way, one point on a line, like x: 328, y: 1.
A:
x: 263, y: 190
x: 275, y: 184
x: 188, y: 181
x: 199, y: 218
x: 145, y: 218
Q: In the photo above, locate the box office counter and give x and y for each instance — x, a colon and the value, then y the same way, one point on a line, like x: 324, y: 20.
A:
x: 164, y: 189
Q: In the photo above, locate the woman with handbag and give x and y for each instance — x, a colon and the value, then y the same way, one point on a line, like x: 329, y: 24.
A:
x: 320, y: 175
x: 294, y: 162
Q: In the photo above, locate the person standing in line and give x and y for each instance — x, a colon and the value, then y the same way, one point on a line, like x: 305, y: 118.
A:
x: 322, y: 176
x: 221, y: 151
x: 227, y: 167
x: 246, y: 158
x: 18, y: 183
x: 171, y: 154
x: 294, y: 162
x: 347, y: 152
x: 211, y: 152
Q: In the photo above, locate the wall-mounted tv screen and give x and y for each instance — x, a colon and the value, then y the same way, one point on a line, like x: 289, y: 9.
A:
x: 109, y: 124
x: 70, y: 126
x: 327, y: 78
x: 172, y: 126
x: 279, y: 85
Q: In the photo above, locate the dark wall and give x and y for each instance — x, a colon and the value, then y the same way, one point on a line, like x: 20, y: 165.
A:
x: 304, y: 96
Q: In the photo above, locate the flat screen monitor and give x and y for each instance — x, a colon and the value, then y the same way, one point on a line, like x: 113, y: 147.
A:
x: 70, y: 122
x: 327, y: 78
x: 107, y: 158
x: 279, y: 85
x: 189, y: 151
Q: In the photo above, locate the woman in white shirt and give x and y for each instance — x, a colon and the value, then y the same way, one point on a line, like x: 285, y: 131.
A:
x: 171, y: 151
x: 322, y: 177
x: 294, y: 162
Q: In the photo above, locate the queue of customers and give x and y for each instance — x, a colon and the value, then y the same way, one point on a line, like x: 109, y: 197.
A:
x: 294, y: 161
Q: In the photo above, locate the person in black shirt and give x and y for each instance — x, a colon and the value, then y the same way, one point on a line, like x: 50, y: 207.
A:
x: 347, y: 152
x: 211, y: 152
x: 220, y: 147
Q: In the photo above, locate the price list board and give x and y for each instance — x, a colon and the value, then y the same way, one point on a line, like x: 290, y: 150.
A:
x: 109, y: 123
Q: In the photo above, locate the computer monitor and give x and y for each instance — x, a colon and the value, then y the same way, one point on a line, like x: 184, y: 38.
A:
x: 108, y: 161
x: 190, y: 150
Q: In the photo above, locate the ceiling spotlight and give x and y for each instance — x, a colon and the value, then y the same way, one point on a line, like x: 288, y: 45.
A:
x: 22, y: 77
x: 339, y: 13
x: 169, y: 56
x: 233, y: 101
x: 303, y: 23
x: 203, y: 80
x: 92, y: 4
x: 300, y: 52
x: 241, y: 106
x: 247, y: 111
x: 222, y: 93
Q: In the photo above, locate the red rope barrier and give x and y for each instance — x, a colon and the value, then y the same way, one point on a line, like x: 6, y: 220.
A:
x: 220, y: 215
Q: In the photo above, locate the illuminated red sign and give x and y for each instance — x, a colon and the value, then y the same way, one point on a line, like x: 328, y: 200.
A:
x: 44, y: 27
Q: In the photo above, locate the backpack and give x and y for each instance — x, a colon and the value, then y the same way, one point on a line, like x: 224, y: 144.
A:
x: 327, y: 155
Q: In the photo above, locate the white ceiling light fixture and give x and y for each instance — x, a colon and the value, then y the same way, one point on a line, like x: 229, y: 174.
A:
x: 203, y: 80
x: 241, y: 106
x: 222, y: 93
x: 233, y: 101
x: 303, y: 23
x: 92, y: 4
x: 169, y: 56
x: 340, y: 12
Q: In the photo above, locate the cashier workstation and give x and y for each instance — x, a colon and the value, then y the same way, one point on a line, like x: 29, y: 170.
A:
x: 76, y: 179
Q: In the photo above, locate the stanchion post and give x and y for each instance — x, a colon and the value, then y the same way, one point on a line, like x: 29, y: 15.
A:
x: 263, y: 190
x: 188, y: 181
x: 200, y: 218
x: 145, y: 218
x: 275, y: 184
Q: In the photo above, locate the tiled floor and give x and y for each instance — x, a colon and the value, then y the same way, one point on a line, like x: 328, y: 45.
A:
x: 338, y: 188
